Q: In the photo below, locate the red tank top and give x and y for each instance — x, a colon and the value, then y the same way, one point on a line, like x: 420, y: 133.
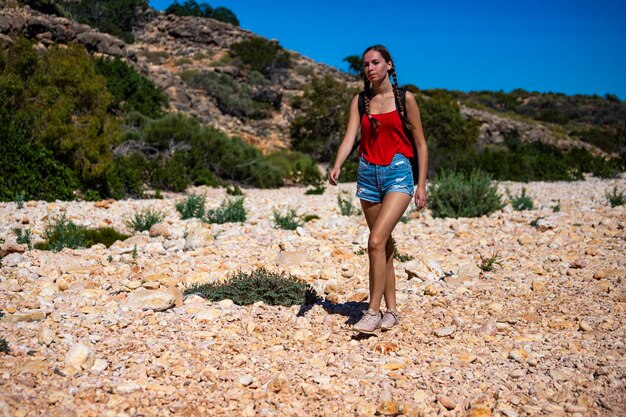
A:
x: 390, y: 140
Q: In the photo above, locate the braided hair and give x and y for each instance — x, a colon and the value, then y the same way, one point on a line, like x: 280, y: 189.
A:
x: 367, y: 88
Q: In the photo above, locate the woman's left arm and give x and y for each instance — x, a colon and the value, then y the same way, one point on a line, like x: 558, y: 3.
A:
x: 413, y: 114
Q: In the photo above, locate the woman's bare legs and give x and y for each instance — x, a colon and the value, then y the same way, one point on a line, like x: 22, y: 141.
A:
x: 382, y: 219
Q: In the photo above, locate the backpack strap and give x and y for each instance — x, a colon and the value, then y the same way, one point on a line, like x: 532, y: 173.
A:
x: 361, y: 103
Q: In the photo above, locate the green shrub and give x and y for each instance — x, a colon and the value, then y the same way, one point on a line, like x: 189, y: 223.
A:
x: 193, y: 8
x: 349, y: 170
x: 183, y: 61
x: 463, y: 195
x: 19, y: 200
x: 346, y: 207
x: 557, y: 207
x: 297, y: 167
x: 202, y: 176
x: 170, y: 172
x: 529, y: 162
x: 234, y: 190
x: 309, y: 217
x: 117, y: 17
x: 23, y: 237
x: 451, y: 138
x: 232, y: 97
x: 58, y: 133
x: 63, y: 233
x: 316, y: 190
x: 231, y: 211
x: 522, y: 201
x: 192, y: 206
x: 127, y: 175
x: 131, y: 91
x: 145, y: 219
x: 262, y: 55
x: 488, y: 264
x: 169, y: 131
x: 104, y: 235
x: 4, y: 346
x: 287, y: 221
x: 400, y: 257
x: 322, y: 117
x: 615, y: 197
x: 260, y: 285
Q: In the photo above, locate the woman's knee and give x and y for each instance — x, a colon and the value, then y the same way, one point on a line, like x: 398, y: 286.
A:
x: 377, y: 243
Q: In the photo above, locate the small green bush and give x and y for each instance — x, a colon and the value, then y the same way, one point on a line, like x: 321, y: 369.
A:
x: 145, y: 219
x: 488, y: 263
x: 287, y: 221
x: 522, y: 201
x: 262, y: 55
x: 104, y: 235
x: 260, y: 285
x: 456, y: 194
x: 23, y: 237
x: 193, y: 8
x: 4, y: 346
x: 346, y: 208
x: 297, y: 167
x: 557, y: 207
x: 19, y: 200
x: 615, y: 197
x: 400, y: 257
x: 232, y: 97
x: 316, y: 190
x: 231, y: 211
x: 192, y: 206
x: 63, y: 233
x: 309, y: 217
x: 234, y: 190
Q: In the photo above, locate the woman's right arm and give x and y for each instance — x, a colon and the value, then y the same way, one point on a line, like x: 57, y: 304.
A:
x: 348, y: 140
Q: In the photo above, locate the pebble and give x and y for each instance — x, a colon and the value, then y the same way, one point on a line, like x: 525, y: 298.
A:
x: 79, y: 356
x: 246, y: 380
x: 150, y: 300
x: 445, y: 331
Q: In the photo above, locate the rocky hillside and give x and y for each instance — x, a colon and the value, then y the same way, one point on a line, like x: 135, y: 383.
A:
x: 168, y: 47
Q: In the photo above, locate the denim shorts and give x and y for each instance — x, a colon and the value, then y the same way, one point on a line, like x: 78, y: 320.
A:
x: 375, y: 181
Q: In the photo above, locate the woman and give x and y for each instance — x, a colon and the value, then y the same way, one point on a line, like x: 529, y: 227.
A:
x: 385, y: 181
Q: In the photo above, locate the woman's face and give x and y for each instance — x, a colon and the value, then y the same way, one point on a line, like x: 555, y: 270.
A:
x: 374, y: 66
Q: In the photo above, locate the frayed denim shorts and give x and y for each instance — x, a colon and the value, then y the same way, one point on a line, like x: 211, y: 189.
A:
x: 375, y: 181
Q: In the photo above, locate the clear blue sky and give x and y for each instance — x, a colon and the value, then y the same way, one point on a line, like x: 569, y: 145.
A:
x: 568, y: 46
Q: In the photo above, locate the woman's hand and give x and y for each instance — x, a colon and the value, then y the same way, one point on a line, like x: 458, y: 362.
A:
x: 333, y: 175
x: 420, y: 197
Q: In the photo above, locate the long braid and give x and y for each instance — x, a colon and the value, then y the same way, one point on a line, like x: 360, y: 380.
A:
x: 366, y: 101
x: 399, y: 104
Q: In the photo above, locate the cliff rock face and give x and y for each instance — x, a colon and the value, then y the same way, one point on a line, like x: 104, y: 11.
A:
x: 497, y: 131
x: 49, y: 30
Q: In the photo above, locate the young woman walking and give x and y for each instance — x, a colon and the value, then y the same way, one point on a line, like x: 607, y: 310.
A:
x: 385, y: 183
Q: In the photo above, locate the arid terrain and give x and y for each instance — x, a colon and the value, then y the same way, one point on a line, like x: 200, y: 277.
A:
x: 543, y: 334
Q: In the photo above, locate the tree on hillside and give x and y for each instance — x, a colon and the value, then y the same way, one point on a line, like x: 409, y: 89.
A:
x: 193, y: 8
x: 318, y: 128
x: 355, y: 65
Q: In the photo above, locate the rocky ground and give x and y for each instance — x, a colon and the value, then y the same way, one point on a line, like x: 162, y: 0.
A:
x: 542, y: 335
